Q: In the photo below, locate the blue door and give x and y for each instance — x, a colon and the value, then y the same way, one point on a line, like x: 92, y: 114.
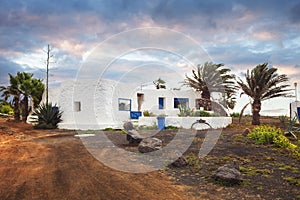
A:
x: 298, y: 112
x: 161, y: 103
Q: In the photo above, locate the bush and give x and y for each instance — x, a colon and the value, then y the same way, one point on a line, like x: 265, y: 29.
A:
x: 201, y: 113
x: 171, y: 127
x: 6, y: 109
x: 185, y: 112
x: 297, y: 150
x: 235, y: 114
x: 153, y: 127
x: 48, y: 116
x: 270, y: 135
x: 146, y: 113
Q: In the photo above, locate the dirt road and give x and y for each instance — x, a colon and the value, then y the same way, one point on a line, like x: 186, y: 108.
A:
x: 55, y: 165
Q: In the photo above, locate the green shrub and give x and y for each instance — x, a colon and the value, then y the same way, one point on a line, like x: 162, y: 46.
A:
x: 201, y: 113
x: 235, y: 114
x: 297, y: 150
x: 48, y: 116
x: 6, y: 109
x: 146, y: 113
x: 153, y: 127
x: 270, y: 135
x: 193, y: 160
x: 185, y: 112
x: 108, y: 129
x: 171, y: 127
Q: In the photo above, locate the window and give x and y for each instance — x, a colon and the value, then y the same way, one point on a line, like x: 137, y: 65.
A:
x: 161, y: 103
x: 183, y: 102
x: 124, y: 104
x: 77, y: 106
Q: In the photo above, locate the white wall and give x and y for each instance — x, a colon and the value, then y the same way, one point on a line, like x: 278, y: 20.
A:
x: 151, y: 100
x: 186, y: 122
x: 99, y: 103
x: 293, y: 108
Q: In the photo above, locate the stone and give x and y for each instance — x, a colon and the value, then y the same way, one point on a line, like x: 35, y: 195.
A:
x: 180, y: 162
x: 133, y: 137
x: 177, y: 159
x: 128, y: 126
x: 228, y: 174
x: 246, y: 132
x: 149, y: 145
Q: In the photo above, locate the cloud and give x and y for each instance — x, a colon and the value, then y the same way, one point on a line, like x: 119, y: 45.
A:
x: 6, y: 67
x: 240, y: 34
x: 294, y: 15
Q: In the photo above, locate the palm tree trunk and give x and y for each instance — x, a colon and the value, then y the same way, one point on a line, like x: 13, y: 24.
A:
x: 16, y: 108
x: 256, y: 107
x: 205, y: 95
x: 24, y: 108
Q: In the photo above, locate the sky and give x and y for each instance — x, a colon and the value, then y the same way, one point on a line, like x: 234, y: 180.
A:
x: 127, y: 39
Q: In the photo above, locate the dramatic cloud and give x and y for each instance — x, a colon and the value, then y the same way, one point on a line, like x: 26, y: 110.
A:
x: 238, y: 33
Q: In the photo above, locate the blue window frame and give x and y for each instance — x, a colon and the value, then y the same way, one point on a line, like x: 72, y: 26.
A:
x: 183, y: 102
x: 161, y: 103
x: 124, y: 104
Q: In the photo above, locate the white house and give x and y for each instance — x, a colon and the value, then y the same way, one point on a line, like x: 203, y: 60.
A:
x: 92, y: 104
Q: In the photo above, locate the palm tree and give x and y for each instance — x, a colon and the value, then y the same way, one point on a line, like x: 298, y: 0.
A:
x: 263, y: 83
x: 30, y: 89
x: 210, y: 78
x: 23, y: 88
x: 12, y: 91
x: 37, y: 91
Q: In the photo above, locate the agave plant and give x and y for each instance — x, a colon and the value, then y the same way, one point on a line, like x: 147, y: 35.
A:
x: 48, y: 116
x: 290, y: 125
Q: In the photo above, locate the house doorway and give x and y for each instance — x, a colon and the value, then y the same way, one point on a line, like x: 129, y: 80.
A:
x: 140, y: 100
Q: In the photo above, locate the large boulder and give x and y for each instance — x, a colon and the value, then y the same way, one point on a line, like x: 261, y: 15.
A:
x: 228, y: 174
x: 133, y: 137
x: 149, y: 145
x: 128, y: 126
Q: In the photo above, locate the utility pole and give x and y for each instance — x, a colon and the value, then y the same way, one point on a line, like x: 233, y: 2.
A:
x: 47, y: 73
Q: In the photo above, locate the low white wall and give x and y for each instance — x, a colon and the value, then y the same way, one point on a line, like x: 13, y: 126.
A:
x: 186, y: 122
x: 94, y: 126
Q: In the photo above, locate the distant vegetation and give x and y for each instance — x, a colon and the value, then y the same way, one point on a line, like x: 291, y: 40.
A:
x: 22, y: 90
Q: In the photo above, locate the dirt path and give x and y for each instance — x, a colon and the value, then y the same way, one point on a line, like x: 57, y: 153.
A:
x: 36, y: 165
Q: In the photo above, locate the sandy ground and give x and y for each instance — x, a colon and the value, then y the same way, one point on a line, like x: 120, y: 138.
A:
x: 53, y: 164
x: 36, y: 164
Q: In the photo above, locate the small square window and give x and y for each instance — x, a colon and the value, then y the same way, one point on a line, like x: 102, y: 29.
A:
x: 124, y: 104
x: 77, y: 106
